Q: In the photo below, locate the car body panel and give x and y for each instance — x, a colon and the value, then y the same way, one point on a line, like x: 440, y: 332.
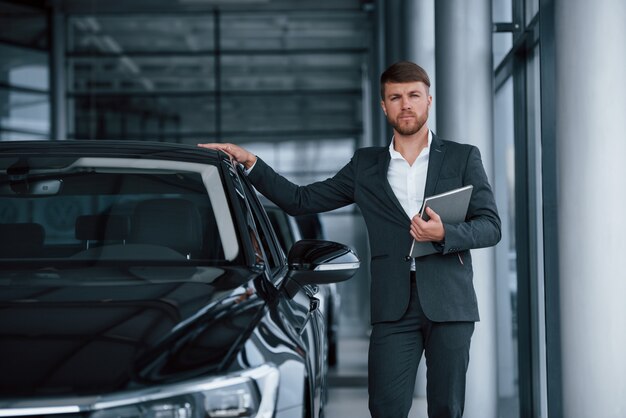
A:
x: 290, y: 230
x: 58, y: 325
x: 135, y: 268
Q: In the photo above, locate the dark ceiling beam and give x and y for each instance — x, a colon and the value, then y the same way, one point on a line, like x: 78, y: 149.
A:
x: 194, y: 6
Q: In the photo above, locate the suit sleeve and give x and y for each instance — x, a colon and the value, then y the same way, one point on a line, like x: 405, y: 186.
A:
x: 321, y: 196
x: 482, y: 225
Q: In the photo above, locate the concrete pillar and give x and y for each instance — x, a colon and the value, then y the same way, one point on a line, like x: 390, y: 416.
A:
x: 419, y: 24
x: 419, y: 18
x: 464, y: 113
x: 58, y: 103
x: 378, y: 63
x: 395, y: 31
x: 590, y: 129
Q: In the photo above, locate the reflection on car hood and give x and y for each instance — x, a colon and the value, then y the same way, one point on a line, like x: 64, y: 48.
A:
x: 93, y: 330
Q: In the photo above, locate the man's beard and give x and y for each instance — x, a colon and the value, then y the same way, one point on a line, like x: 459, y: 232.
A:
x: 409, y: 126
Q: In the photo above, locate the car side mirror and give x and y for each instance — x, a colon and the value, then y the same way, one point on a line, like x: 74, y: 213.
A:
x: 314, y: 262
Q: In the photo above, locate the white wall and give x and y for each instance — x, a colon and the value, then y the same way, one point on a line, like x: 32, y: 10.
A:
x: 591, y: 149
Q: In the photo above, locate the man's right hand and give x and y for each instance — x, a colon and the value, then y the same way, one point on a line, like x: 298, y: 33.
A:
x: 239, y: 154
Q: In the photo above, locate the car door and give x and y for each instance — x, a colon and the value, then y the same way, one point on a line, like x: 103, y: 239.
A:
x: 299, y: 308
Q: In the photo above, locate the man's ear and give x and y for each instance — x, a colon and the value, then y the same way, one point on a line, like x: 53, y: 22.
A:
x: 382, y: 104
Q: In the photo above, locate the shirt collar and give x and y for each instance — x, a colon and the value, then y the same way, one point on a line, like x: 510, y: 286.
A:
x: 396, y: 155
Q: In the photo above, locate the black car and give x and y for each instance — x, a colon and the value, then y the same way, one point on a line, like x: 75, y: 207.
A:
x: 291, y: 229
x: 145, y: 280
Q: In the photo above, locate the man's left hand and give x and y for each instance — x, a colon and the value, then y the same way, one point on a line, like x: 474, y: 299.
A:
x: 431, y: 230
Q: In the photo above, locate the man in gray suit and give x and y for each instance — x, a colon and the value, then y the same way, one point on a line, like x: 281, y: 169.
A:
x: 427, y: 304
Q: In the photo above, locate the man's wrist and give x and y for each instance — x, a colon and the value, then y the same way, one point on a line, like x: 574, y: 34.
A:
x: 250, y: 161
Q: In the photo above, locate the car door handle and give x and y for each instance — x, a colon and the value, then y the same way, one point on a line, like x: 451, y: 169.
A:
x: 313, y: 305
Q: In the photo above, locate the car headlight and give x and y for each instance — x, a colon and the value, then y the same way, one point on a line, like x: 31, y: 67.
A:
x: 251, y: 393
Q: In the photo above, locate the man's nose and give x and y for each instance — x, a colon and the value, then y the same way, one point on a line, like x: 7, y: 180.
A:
x: 406, y: 103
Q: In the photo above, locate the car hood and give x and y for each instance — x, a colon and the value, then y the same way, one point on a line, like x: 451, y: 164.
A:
x: 96, y: 330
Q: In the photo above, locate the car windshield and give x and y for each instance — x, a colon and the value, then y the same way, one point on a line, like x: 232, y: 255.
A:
x: 112, y: 210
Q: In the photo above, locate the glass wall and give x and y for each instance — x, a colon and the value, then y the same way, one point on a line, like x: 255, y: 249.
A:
x: 24, y: 74
x: 130, y: 77
x: 502, y: 13
x: 306, y: 161
x: 535, y: 205
x: 506, y: 253
x: 222, y: 75
x: 288, y: 82
x: 517, y: 124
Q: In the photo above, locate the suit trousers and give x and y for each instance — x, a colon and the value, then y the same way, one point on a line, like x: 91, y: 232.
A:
x: 395, y: 351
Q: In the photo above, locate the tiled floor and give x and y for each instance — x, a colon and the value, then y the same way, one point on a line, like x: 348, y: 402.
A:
x: 347, y: 395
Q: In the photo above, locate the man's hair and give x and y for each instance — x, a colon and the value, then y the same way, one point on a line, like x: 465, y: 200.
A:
x: 403, y: 72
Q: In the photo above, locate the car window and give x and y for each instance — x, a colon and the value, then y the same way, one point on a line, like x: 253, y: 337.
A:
x: 117, y: 209
x: 285, y: 227
x: 273, y: 252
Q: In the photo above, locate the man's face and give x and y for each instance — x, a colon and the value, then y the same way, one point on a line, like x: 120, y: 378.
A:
x: 406, y: 106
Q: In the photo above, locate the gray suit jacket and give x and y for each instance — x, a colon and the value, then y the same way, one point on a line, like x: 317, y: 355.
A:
x: 445, y: 284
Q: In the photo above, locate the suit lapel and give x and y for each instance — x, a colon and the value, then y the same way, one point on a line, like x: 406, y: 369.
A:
x: 383, y: 167
x: 435, y: 161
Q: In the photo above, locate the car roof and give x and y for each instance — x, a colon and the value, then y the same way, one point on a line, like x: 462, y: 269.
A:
x: 114, y: 149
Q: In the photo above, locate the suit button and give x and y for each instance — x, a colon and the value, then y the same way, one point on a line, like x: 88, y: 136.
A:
x: 407, y: 258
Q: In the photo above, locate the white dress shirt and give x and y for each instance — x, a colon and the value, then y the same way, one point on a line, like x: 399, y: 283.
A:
x: 409, y: 181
